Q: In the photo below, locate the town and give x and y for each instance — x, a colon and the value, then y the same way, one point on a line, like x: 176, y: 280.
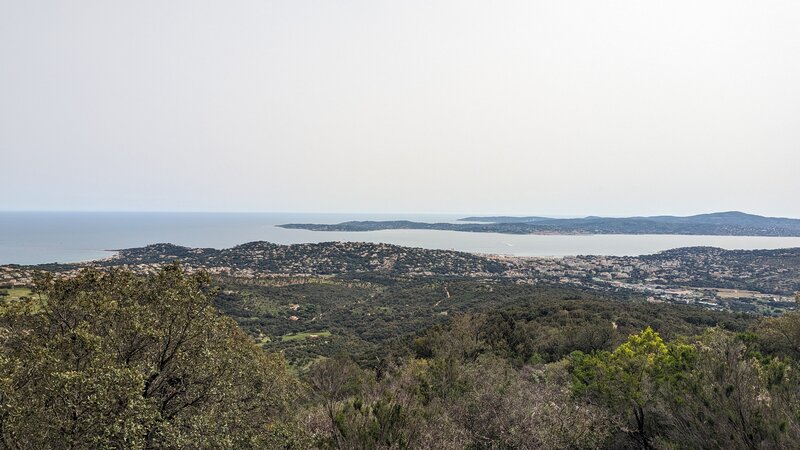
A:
x: 758, y: 281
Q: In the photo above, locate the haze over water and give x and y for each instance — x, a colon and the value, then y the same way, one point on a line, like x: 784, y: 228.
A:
x: 44, y: 237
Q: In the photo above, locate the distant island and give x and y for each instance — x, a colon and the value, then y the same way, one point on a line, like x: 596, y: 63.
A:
x: 732, y: 223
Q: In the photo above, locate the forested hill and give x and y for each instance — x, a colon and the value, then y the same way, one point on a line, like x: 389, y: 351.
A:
x: 759, y: 281
x: 762, y: 271
x: 732, y: 223
x: 327, y: 258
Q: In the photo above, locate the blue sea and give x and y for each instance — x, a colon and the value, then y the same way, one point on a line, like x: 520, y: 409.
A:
x: 44, y: 237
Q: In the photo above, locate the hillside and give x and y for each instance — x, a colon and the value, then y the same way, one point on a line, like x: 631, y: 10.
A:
x: 404, y: 363
x: 327, y: 258
x: 758, y: 281
x: 310, y: 317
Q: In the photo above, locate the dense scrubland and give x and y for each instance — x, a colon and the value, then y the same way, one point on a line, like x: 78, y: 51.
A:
x: 365, y: 318
x: 175, y: 360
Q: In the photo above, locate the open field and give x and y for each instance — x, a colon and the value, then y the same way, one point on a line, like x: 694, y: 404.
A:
x: 305, y: 335
x: 12, y: 295
x: 737, y: 293
x: 16, y: 293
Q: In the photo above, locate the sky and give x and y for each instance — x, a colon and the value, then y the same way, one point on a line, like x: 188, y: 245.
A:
x: 573, y: 107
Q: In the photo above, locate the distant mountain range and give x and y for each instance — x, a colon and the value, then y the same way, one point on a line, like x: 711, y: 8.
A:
x: 732, y: 223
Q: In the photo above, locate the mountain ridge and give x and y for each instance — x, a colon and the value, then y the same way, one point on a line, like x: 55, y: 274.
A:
x: 728, y: 223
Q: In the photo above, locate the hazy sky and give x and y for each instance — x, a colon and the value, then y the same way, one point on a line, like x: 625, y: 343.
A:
x: 540, y: 107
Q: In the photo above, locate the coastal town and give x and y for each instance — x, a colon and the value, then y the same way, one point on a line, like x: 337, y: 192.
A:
x: 762, y: 281
x: 759, y: 281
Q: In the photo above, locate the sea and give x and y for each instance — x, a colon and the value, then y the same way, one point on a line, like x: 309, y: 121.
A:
x: 46, y: 237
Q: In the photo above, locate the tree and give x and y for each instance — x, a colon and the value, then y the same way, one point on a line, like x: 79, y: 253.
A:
x: 781, y: 335
x: 724, y: 401
x: 506, y: 408
x: 111, y: 359
x: 629, y: 378
x: 333, y: 380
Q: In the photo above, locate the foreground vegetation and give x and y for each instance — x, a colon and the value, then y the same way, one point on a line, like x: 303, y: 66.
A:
x: 115, y: 360
x: 112, y: 359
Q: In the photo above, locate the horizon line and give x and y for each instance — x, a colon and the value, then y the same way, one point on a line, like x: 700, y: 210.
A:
x: 464, y: 214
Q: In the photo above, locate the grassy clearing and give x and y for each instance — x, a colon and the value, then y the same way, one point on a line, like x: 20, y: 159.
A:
x: 17, y: 293
x: 13, y: 295
x: 263, y: 340
x: 305, y: 335
x: 736, y: 293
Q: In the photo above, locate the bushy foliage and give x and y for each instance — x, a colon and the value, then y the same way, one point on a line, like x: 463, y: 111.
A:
x: 467, y: 389
x: 115, y: 360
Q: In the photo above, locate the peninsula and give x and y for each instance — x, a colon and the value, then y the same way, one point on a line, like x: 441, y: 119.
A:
x: 732, y: 223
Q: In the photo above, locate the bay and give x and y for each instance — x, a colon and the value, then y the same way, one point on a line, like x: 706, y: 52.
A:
x: 44, y: 237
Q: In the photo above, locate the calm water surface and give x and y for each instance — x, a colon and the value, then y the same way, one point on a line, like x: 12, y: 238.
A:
x: 42, y: 237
